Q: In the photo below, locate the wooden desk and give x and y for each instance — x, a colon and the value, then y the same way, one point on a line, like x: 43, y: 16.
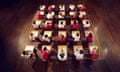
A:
x: 62, y: 12
x: 29, y: 49
x: 82, y: 13
x: 63, y: 33
x: 62, y: 7
x: 75, y: 32
x: 60, y: 47
x: 42, y: 7
x: 72, y: 7
x: 35, y: 33
x: 72, y: 13
x: 38, y: 22
x: 77, y: 47
x: 49, y: 47
x: 49, y: 33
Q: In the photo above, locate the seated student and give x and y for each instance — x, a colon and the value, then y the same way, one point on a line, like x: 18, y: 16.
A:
x: 62, y: 55
x: 79, y: 54
x: 39, y: 16
x: 35, y: 26
x: 90, y: 37
x: 44, y: 54
x: 74, y: 25
x: 48, y: 26
x: 46, y: 38
x: 50, y: 8
x: 61, y: 38
x: 60, y: 15
x: 61, y: 25
x: 31, y: 37
x: 94, y: 54
x: 49, y: 16
x: 76, y: 37
x: 86, y: 25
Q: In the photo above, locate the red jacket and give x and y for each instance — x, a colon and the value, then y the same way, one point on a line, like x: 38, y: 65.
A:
x: 44, y: 55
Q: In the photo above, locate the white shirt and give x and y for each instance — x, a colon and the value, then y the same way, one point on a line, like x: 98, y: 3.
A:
x: 61, y: 25
x: 60, y: 58
x: 78, y: 55
x: 46, y: 39
x: 76, y: 38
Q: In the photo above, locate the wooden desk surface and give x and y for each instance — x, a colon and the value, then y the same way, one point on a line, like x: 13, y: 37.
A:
x: 72, y: 12
x: 42, y: 7
x: 49, y: 47
x: 79, y: 47
x: 38, y: 22
x: 62, y: 47
x: 29, y: 48
x: 49, y: 33
x: 62, y: 12
x: 75, y: 32
x: 62, y: 32
x: 83, y: 13
x: 35, y: 33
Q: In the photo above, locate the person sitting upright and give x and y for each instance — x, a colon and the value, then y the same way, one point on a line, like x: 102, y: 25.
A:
x: 35, y: 25
x: 61, y: 38
x: 46, y: 38
x: 45, y: 53
x: 76, y: 37
x: 74, y: 25
x: 61, y: 25
x: 48, y: 26
x: 62, y: 55
x: 90, y: 37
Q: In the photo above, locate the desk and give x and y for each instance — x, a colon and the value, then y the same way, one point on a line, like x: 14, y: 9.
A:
x: 42, y: 7
x: 62, y: 7
x: 60, y: 47
x: 49, y: 33
x: 49, y: 47
x: 82, y: 13
x: 29, y: 49
x: 75, y: 47
x: 72, y: 13
x: 72, y: 7
x: 75, y: 32
x: 35, y: 33
x: 62, y: 33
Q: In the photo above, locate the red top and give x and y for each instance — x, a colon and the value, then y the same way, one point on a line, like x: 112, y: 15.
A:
x: 45, y: 55
x: 94, y: 55
x: 62, y: 40
x: 82, y: 8
x: 49, y: 26
x: 75, y: 26
x: 50, y: 9
x: 90, y: 39
x: 39, y: 16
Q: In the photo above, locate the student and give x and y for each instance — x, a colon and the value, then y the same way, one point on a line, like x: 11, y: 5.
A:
x: 76, y: 37
x: 61, y: 38
x: 93, y: 53
x: 62, y: 55
x: 74, y: 25
x: 86, y: 25
x: 79, y: 54
x: 48, y: 25
x: 90, y: 37
x: 61, y: 25
x: 44, y: 54
x: 31, y: 37
x: 46, y: 38
x: 35, y: 26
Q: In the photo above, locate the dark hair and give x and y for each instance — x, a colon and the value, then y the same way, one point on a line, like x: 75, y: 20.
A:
x: 31, y: 34
x: 77, y: 34
x: 81, y: 52
x: 90, y: 35
x: 61, y: 22
x: 34, y: 22
x: 46, y: 36
x: 87, y: 22
x: 45, y: 48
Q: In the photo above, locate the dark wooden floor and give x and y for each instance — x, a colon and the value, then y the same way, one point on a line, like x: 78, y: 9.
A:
x: 15, y: 24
